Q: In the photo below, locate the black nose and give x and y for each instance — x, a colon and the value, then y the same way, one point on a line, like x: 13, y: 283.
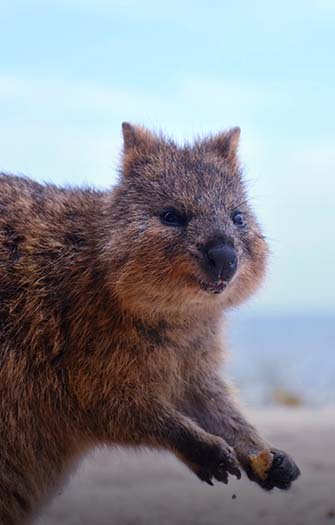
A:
x: 220, y: 261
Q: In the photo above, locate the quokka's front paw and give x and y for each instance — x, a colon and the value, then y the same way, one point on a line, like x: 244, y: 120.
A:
x: 272, y: 468
x: 218, y: 461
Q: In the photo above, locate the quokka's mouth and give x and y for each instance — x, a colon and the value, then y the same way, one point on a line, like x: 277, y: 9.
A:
x: 213, y: 287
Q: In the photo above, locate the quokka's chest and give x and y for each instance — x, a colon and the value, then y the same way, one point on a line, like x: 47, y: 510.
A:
x: 165, y: 354
x: 180, y: 338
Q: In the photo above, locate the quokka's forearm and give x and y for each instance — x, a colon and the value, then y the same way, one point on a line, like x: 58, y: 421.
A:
x: 213, y: 406
x: 162, y: 426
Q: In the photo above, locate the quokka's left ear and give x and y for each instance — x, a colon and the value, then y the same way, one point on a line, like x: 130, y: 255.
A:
x: 137, y: 138
x: 225, y: 144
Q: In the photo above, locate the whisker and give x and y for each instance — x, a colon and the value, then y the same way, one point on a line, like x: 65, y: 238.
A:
x: 239, y: 205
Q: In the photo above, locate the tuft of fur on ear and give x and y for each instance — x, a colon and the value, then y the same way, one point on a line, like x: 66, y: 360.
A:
x: 137, y: 137
x: 225, y: 144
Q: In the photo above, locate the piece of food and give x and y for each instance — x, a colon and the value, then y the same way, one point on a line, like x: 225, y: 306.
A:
x: 261, y: 463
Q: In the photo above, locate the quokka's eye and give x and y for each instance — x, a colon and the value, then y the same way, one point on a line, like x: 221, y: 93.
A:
x: 172, y: 217
x: 238, y: 219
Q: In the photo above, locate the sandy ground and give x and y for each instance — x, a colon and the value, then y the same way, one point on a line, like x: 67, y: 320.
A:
x: 116, y: 487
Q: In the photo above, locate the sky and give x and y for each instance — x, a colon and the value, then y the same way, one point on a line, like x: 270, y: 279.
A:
x: 71, y: 71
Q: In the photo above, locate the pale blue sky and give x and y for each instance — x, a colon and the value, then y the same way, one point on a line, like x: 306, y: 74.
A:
x: 73, y: 70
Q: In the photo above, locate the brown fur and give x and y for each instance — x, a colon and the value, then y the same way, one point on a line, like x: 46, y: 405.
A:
x: 105, y: 333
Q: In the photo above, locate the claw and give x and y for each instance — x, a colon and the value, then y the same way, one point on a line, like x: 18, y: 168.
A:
x: 222, y: 479
x: 209, y: 482
x: 231, y: 467
x: 206, y: 477
x: 221, y: 475
x: 237, y: 473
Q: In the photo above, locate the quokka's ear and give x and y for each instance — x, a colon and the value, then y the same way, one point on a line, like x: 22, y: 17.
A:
x: 225, y: 144
x: 136, y: 137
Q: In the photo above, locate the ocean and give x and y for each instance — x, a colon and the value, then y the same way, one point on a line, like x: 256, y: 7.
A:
x: 276, y: 359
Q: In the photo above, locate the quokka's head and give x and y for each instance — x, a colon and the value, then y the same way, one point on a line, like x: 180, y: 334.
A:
x: 181, y: 230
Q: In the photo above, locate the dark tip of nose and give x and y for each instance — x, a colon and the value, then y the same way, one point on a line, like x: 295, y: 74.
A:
x: 221, y: 261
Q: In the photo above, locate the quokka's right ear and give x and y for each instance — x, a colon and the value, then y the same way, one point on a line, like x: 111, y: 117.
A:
x: 225, y: 144
x: 137, y: 138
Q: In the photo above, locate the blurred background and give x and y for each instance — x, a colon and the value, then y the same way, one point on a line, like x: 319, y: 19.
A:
x: 73, y: 70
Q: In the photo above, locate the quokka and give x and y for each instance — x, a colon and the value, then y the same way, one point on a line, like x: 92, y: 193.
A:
x: 111, y: 304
